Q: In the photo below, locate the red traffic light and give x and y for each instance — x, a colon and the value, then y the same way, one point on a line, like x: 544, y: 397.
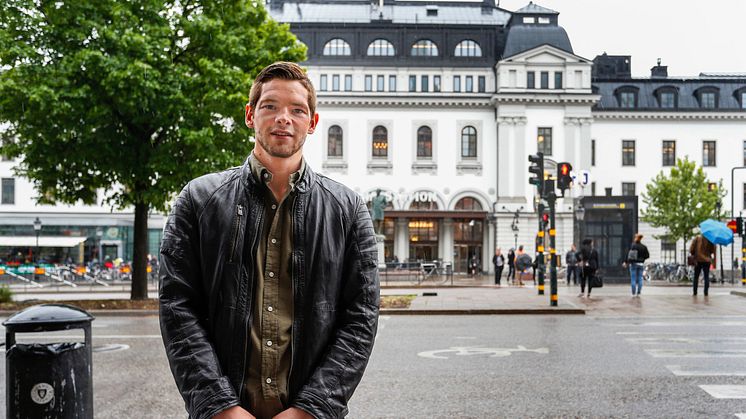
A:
x: 545, y: 217
x: 564, y: 169
x: 732, y: 225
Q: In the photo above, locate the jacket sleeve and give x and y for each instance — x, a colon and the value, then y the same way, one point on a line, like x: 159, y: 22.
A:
x: 331, y: 385
x: 183, y: 308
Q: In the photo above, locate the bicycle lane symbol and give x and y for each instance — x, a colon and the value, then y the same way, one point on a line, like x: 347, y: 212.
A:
x: 478, y: 350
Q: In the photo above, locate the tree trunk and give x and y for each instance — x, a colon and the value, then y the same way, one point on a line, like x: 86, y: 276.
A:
x: 139, y: 258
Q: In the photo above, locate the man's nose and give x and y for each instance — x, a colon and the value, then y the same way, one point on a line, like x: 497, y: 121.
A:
x: 283, y: 116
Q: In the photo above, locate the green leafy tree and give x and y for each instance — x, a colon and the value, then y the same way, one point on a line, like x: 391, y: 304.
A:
x: 132, y: 98
x: 682, y: 199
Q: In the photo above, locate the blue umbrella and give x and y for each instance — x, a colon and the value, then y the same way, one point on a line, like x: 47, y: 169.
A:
x: 716, y: 232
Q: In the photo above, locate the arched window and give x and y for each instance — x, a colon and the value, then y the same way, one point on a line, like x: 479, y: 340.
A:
x: 380, y: 142
x: 337, y: 46
x: 626, y: 96
x: 424, y: 48
x: 468, y: 204
x: 424, y: 143
x: 468, y: 48
x: 469, y: 142
x: 334, y: 142
x: 381, y: 48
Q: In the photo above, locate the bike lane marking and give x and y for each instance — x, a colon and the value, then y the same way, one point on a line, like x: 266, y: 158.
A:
x: 725, y: 391
x: 478, y: 350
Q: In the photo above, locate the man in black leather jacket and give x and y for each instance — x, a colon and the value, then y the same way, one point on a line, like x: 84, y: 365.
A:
x: 220, y: 243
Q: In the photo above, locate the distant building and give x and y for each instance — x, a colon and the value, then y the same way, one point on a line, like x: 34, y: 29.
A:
x: 439, y: 103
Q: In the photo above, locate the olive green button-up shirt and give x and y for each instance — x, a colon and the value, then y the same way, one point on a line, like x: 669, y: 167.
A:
x: 272, y: 308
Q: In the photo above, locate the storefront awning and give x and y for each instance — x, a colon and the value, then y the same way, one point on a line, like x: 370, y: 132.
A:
x: 44, y: 241
x: 468, y: 215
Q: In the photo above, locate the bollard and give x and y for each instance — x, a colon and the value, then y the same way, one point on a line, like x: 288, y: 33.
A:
x: 48, y: 380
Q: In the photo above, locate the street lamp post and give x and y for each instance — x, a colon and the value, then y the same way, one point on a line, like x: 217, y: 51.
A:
x: 37, y: 229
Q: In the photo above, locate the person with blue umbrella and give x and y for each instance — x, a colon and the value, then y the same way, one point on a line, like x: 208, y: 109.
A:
x: 703, y: 249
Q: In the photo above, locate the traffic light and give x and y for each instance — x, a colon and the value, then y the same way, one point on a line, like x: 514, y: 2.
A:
x: 564, y: 179
x: 537, y: 168
x: 544, y: 220
x: 739, y: 226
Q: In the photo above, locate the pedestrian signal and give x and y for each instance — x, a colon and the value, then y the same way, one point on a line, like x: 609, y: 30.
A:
x: 564, y: 177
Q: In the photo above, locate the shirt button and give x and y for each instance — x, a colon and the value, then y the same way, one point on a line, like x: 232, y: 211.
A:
x: 269, y: 343
x: 270, y: 308
x: 274, y: 206
x: 274, y: 241
x: 268, y: 381
x: 271, y: 274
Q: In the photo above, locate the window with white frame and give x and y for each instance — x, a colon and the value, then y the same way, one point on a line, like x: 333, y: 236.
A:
x: 337, y: 46
x: 381, y: 48
x: 8, y: 191
x: 424, y: 143
x: 468, y: 48
x: 469, y: 143
x: 380, y: 142
x: 335, y: 142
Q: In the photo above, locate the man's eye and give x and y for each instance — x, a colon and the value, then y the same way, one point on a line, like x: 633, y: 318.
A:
x: 299, y: 110
x: 268, y: 107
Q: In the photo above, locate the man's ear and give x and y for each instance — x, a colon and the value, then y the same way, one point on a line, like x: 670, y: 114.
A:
x: 249, y: 116
x: 314, y: 123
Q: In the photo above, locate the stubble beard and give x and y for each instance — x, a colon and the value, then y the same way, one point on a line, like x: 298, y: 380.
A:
x: 282, y: 151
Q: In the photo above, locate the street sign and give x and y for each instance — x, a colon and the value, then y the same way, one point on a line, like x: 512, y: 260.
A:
x: 583, y: 178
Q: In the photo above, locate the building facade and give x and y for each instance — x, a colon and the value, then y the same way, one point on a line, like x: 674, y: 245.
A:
x: 437, y: 104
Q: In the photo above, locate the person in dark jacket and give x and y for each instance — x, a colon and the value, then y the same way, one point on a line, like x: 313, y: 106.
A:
x: 703, y: 252
x: 498, y: 260
x: 636, y: 257
x: 269, y: 285
x: 571, y: 264
x: 511, y: 266
x: 588, y: 257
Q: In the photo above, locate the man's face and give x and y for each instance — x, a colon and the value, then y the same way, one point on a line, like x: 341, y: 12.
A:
x: 281, y: 119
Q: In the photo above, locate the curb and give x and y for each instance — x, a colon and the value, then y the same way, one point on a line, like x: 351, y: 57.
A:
x: 505, y: 311
x: 738, y: 293
x: 95, y: 313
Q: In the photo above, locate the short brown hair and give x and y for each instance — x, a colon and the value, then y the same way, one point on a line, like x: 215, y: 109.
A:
x: 282, y: 70
x: 638, y: 237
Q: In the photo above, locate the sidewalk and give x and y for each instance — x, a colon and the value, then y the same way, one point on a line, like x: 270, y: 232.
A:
x: 479, y: 296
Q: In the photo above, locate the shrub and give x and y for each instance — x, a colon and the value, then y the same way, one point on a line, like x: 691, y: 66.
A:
x: 6, y: 295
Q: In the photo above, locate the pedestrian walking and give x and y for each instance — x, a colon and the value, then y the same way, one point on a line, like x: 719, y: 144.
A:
x: 571, y: 262
x: 703, y: 252
x: 264, y: 314
x: 588, y: 258
x: 636, y: 257
x: 499, y: 261
x: 511, y: 266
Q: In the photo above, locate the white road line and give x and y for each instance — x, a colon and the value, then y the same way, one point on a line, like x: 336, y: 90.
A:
x: 704, y: 323
x: 95, y: 336
x: 689, y: 340
x: 741, y: 415
x: 725, y: 391
x: 681, y: 372
x: 697, y: 353
x: 649, y: 333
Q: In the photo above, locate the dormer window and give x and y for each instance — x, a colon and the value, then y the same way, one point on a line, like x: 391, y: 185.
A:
x: 424, y: 48
x: 468, y: 48
x: 529, y: 19
x: 627, y: 96
x: 432, y: 11
x: 667, y: 97
x: 337, y: 46
x: 740, y: 95
x: 707, y: 97
x: 544, y: 20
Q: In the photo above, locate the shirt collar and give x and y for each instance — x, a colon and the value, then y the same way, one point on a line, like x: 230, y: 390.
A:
x: 263, y: 175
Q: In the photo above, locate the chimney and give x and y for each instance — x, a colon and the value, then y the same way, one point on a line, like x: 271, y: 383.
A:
x: 659, y: 71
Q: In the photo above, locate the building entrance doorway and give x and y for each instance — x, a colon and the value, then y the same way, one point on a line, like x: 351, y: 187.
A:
x: 463, y: 254
x: 109, y: 251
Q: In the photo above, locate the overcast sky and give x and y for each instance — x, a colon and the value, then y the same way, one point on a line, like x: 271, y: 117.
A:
x: 689, y: 36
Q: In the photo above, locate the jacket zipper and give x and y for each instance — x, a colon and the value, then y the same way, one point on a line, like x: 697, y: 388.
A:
x: 236, y: 225
x: 247, y: 318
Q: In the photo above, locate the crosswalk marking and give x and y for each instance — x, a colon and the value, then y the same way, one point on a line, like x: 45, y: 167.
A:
x: 690, y: 340
x: 741, y: 415
x: 681, y: 372
x: 697, y: 353
x: 725, y: 391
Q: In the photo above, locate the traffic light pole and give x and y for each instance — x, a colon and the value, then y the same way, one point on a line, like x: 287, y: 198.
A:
x: 540, y: 250
x: 743, y: 259
x: 551, y: 200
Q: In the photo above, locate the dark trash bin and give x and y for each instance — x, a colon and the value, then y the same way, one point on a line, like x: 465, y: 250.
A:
x: 48, y: 380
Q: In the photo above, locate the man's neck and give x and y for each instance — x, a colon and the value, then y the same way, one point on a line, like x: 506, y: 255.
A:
x: 281, y: 169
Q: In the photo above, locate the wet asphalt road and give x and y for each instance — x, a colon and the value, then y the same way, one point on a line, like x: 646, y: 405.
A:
x: 483, y: 367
